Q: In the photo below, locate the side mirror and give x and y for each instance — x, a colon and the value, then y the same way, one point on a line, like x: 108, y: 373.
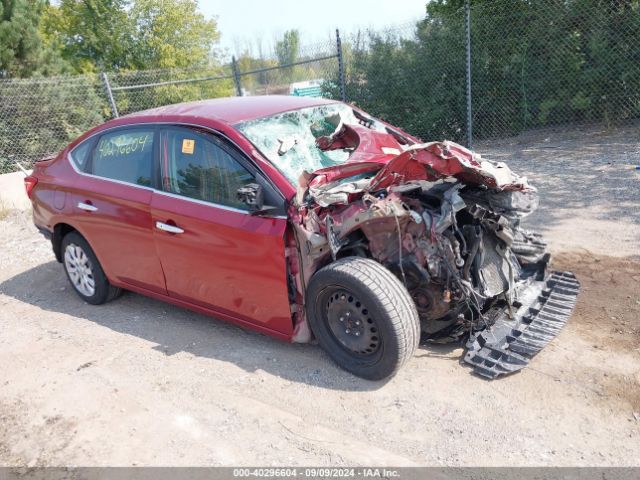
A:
x: 252, y: 196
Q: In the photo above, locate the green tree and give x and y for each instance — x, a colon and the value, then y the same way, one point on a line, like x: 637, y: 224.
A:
x: 534, y: 64
x: 139, y: 42
x: 112, y: 35
x: 92, y: 35
x: 173, y: 41
x: 22, y: 52
x: 288, y: 48
x: 413, y: 79
x: 258, y: 83
x: 287, y: 51
x: 172, y: 34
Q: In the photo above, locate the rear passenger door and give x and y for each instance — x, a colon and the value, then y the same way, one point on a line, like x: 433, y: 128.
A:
x: 112, y: 204
x: 214, y: 253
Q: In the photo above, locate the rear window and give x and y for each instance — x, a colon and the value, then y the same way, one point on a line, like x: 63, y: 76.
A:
x: 80, y: 155
x: 125, y: 156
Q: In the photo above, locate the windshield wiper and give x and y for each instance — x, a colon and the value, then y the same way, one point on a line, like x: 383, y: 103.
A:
x: 365, y: 121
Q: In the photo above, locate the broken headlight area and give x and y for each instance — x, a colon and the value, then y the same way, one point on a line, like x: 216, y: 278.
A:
x: 447, y: 223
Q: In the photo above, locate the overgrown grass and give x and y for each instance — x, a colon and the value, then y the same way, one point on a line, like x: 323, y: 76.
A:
x: 4, y: 210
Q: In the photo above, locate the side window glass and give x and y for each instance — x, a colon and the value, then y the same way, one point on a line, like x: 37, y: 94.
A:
x: 125, y: 156
x: 196, y: 166
x: 80, y: 155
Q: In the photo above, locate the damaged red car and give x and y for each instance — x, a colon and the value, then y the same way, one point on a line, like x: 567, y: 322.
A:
x: 307, y: 219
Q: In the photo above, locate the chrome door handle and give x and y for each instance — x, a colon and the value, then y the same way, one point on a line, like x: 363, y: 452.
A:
x: 165, y: 227
x: 87, y: 206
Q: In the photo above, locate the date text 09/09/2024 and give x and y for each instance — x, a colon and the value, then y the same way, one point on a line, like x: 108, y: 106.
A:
x: 315, y: 473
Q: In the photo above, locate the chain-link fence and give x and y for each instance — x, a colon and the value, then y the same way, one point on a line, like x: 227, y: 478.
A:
x: 313, y: 71
x: 40, y: 116
x: 550, y: 62
x: 494, y: 69
x: 140, y: 90
x: 483, y: 70
x: 412, y: 76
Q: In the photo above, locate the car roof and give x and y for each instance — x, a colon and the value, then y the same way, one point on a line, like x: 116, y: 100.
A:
x: 233, y: 110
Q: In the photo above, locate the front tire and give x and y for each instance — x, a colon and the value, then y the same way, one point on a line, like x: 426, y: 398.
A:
x: 84, y: 271
x: 363, y: 317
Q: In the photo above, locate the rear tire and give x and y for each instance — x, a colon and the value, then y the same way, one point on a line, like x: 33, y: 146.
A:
x: 363, y: 317
x: 85, y: 272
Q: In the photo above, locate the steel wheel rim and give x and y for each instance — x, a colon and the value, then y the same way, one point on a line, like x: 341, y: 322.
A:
x: 351, y: 323
x: 80, y: 270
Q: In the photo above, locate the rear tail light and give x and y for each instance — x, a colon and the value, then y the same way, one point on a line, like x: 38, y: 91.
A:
x: 29, y: 183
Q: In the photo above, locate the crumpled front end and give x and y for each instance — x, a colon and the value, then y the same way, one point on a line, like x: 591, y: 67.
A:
x: 447, y: 223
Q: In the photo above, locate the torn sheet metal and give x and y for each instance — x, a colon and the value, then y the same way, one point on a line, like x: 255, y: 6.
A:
x: 446, y: 222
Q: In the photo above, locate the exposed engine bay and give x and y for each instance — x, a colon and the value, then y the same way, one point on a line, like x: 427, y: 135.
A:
x: 447, y: 223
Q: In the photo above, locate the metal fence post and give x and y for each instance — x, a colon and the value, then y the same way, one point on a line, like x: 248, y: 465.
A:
x: 467, y: 25
x: 236, y: 76
x: 109, y: 93
x: 343, y: 93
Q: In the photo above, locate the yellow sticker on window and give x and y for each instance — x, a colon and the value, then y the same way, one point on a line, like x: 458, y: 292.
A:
x: 188, y: 146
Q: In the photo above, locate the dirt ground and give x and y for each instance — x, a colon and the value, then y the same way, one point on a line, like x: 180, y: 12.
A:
x: 139, y: 382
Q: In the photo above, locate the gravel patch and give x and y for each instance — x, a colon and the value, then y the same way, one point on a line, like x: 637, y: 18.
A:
x: 589, y: 186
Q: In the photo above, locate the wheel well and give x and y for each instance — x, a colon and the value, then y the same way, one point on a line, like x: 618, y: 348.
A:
x: 356, y: 245
x: 59, y: 232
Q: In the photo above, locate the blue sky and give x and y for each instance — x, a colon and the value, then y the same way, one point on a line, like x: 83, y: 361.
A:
x: 244, y: 21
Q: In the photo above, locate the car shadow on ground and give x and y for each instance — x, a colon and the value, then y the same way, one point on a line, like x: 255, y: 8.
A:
x: 173, y: 330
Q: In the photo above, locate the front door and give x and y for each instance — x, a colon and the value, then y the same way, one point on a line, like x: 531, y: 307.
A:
x: 213, y: 252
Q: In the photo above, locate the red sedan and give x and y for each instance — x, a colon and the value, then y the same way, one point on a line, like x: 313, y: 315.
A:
x: 306, y: 219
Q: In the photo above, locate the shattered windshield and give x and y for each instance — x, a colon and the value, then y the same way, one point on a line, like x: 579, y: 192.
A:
x: 288, y: 139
